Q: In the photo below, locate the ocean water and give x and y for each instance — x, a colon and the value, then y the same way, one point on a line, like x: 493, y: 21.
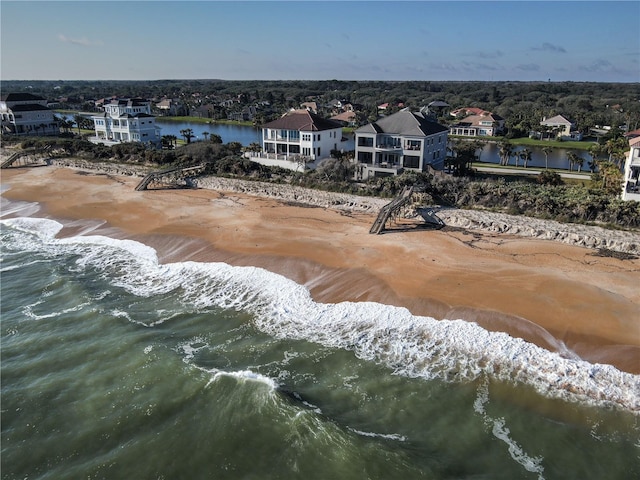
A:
x: 115, y: 366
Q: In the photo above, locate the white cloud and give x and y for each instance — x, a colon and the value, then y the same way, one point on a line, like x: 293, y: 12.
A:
x: 84, y: 42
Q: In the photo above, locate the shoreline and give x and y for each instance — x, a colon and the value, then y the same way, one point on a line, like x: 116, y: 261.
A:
x: 546, y: 292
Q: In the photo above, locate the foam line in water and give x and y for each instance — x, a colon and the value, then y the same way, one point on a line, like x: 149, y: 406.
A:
x: 414, y: 346
x: 501, y: 432
x: 386, y: 436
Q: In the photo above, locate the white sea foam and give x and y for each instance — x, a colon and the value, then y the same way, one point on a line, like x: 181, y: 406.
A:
x: 501, y: 432
x: 387, y: 436
x: 415, y: 346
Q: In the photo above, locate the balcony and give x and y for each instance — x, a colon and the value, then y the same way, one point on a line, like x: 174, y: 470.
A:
x: 388, y: 147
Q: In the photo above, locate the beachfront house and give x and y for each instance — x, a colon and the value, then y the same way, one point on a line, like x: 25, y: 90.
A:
x: 631, y: 185
x: 561, y: 128
x: 483, y: 124
x: 27, y: 114
x: 298, y: 140
x: 403, y: 140
x: 126, y: 120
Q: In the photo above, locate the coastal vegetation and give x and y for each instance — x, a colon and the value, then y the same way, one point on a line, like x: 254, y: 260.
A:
x: 545, y: 196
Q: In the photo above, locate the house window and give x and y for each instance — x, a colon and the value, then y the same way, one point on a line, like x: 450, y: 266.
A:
x: 306, y: 137
x: 365, y: 142
x: 294, y: 135
x: 411, y: 161
x: 365, y: 157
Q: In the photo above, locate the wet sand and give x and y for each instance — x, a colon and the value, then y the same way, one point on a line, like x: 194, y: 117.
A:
x: 549, y: 293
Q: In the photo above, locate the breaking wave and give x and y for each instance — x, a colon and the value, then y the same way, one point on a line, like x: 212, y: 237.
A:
x: 414, y: 346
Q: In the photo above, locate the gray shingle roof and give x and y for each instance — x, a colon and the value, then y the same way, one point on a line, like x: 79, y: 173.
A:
x: 22, y: 97
x: 406, y: 123
x: 303, y: 121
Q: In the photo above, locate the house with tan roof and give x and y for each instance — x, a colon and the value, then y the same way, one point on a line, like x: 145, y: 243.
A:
x: 466, y: 111
x: 298, y: 140
x: 485, y: 124
x: 403, y: 140
x: 563, y: 128
x: 348, y: 118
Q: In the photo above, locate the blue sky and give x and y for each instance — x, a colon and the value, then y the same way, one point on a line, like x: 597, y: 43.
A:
x: 362, y: 40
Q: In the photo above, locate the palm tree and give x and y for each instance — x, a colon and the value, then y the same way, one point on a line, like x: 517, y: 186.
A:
x: 187, y: 133
x: 205, y: 135
x: 506, y: 151
x: 546, y: 150
x: 573, y: 159
x: 525, y: 155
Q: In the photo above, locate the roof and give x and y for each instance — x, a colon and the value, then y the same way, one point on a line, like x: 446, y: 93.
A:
x: 558, y: 119
x: 477, y: 119
x: 129, y: 102
x: 344, y: 117
x: 633, y: 133
x: 303, y: 121
x: 406, y: 123
x: 469, y: 111
x: 30, y: 107
x: 438, y: 104
x: 22, y: 97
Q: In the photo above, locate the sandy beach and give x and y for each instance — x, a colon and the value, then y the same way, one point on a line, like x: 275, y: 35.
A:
x: 547, y: 292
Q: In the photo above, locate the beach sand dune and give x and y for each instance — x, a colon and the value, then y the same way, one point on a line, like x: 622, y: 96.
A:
x: 549, y: 293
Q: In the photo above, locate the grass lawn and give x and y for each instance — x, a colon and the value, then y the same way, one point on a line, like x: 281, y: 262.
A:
x: 532, y: 142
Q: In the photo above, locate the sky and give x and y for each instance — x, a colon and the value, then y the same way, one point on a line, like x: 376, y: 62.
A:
x: 592, y: 41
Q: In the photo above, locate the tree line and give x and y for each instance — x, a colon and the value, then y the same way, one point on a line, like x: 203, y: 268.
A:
x: 522, y: 104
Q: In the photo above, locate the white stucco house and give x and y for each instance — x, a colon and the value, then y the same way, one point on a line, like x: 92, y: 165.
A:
x: 126, y: 120
x: 27, y: 114
x: 403, y: 140
x: 631, y: 185
x: 298, y: 140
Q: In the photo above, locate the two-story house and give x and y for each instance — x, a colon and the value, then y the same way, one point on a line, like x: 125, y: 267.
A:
x: 403, y: 140
x: 298, y: 140
x: 27, y: 114
x: 126, y: 120
x: 631, y: 185
x: 485, y: 124
x: 561, y: 127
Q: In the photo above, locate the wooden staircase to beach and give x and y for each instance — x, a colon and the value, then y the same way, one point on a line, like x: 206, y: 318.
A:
x: 390, y: 209
x: 23, y: 157
x: 179, y: 177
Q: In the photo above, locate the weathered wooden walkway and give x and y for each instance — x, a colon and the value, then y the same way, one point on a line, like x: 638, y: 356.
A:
x: 171, y: 178
x: 25, y: 158
x: 391, y: 208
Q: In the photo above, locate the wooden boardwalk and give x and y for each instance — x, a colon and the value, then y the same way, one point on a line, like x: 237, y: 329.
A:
x: 171, y: 178
x: 25, y: 158
x: 390, y: 209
